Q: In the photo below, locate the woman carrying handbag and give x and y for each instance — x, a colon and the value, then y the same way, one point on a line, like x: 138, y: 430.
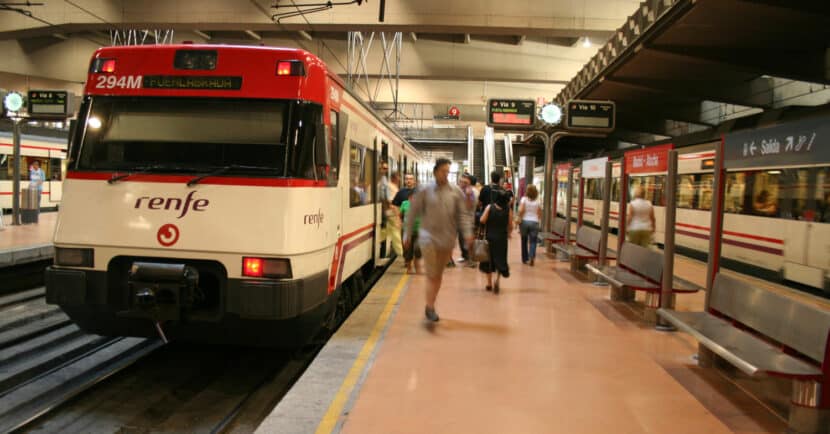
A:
x: 497, y: 221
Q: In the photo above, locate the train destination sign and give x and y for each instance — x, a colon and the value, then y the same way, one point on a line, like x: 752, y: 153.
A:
x: 511, y: 113
x: 47, y: 102
x: 799, y: 142
x: 192, y: 82
x: 594, y: 168
x: 649, y: 160
x: 590, y: 115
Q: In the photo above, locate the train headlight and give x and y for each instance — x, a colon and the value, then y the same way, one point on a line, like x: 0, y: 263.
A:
x: 73, y: 257
x: 262, y: 267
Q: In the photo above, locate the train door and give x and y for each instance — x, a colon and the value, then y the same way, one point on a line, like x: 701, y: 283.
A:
x: 381, y: 182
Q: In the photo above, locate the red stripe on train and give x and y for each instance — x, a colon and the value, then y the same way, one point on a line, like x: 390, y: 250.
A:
x: 736, y: 234
x: 770, y: 250
x: 212, y: 180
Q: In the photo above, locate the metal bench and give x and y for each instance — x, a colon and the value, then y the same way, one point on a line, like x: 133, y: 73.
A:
x: 557, y: 234
x: 762, y: 332
x: 640, y: 269
x: 585, y: 249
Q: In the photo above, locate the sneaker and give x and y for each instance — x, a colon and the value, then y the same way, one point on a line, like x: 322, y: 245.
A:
x: 430, y: 314
x: 460, y: 259
x: 532, y: 261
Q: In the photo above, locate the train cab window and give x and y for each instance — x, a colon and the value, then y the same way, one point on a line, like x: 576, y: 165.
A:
x: 765, y: 193
x: 334, y: 140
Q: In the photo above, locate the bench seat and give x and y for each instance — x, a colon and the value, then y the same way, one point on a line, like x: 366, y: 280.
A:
x: 740, y: 348
x: 622, y: 278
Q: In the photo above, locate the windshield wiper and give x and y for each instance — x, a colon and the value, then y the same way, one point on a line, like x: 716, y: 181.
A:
x: 224, y: 169
x: 136, y: 170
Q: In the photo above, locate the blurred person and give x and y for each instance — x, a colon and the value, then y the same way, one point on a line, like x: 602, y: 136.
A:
x: 411, y: 251
x: 640, y: 218
x: 497, y: 223
x: 442, y: 211
x: 465, y: 184
x: 393, y: 217
x: 530, y: 214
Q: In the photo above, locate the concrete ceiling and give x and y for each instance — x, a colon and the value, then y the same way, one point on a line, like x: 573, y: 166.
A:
x: 458, y: 52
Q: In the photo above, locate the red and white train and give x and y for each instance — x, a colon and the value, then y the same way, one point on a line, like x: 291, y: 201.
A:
x: 219, y: 193
x: 785, y: 237
x: 50, y: 152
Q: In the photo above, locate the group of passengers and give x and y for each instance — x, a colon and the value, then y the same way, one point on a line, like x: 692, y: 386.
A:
x: 440, y: 214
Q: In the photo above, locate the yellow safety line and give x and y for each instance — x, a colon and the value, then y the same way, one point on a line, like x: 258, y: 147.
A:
x: 336, y: 408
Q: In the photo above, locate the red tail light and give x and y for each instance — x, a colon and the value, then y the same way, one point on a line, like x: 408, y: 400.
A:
x: 103, y: 65
x: 290, y: 67
x: 252, y: 267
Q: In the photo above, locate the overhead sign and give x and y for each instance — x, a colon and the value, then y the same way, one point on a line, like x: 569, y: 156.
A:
x: 511, y: 113
x: 562, y: 171
x: 800, y: 142
x: 649, y: 160
x: 590, y: 115
x: 47, y: 102
x: 594, y: 168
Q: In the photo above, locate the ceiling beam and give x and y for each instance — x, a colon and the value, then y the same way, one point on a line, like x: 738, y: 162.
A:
x: 202, y: 34
x: 750, y: 94
x: 595, y: 35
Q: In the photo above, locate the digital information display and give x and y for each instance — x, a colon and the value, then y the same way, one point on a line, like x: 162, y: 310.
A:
x: 192, y: 82
x: 510, y: 113
x: 591, y: 115
x: 48, y: 102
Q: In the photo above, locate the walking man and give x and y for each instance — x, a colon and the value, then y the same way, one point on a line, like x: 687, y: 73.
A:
x: 443, y: 212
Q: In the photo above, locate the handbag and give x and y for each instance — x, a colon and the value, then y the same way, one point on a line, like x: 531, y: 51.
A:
x: 481, y: 250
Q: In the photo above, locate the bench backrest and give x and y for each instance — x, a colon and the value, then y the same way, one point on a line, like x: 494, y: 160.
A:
x: 588, y: 238
x: 798, y: 325
x: 559, y: 226
x: 642, y: 260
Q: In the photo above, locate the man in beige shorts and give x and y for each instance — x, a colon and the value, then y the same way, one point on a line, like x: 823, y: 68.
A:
x: 443, y: 212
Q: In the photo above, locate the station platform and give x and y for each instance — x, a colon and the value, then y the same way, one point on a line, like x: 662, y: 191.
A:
x: 550, y: 354
x: 27, y: 243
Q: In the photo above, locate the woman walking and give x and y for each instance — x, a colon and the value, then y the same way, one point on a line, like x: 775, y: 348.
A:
x: 497, y: 222
x: 530, y: 213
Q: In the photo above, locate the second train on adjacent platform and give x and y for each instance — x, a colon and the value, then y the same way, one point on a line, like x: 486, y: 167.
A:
x: 776, y: 219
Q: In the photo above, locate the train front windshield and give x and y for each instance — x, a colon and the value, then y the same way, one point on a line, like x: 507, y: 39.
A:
x: 185, y: 135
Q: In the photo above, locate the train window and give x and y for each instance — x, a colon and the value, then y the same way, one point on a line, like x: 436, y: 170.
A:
x: 657, y: 188
x: 362, y: 169
x: 765, y: 193
x: 686, y: 191
x: 734, y: 195
x: 334, y: 148
x: 704, y: 190
x: 822, y: 194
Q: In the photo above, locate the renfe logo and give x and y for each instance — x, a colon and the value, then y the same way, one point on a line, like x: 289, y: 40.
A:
x: 159, y: 203
x: 313, y: 219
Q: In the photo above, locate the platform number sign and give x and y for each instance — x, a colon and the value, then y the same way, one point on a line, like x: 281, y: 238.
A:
x: 591, y: 115
x: 511, y: 113
x: 48, y: 102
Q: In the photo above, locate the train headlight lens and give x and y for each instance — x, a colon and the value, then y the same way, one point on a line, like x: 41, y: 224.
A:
x: 259, y: 267
x: 72, y: 257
